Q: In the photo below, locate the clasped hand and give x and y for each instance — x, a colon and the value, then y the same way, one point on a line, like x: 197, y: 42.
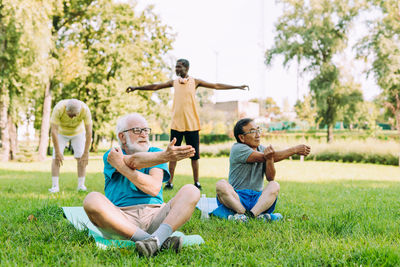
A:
x: 269, y: 153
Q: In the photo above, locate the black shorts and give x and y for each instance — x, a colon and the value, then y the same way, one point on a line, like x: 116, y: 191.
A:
x: 191, y: 138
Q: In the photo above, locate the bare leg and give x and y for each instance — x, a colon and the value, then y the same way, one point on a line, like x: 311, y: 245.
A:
x: 267, y: 198
x: 172, y: 166
x: 81, y: 168
x: 182, y: 206
x: 55, y: 170
x: 104, y: 214
x: 195, y: 168
x: 227, y: 196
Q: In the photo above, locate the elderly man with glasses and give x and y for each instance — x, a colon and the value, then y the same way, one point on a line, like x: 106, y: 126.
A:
x: 133, y: 206
x: 244, y: 196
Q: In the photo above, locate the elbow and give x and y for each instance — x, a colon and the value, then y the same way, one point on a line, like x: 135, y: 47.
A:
x: 155, y: 190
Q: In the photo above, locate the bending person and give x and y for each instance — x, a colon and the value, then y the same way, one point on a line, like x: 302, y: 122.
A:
x: 133, y: 207
x: 244, y: 195
x: 185, y: 118
x: 70, y: 121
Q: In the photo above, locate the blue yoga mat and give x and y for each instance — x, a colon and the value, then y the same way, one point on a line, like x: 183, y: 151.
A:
x: 77, y: 216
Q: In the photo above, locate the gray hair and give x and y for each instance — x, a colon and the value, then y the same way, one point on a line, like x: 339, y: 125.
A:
x: 122, y: 123
x: 73, y: 106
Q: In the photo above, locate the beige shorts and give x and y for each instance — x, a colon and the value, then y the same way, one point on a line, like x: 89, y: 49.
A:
x: 147, y: 217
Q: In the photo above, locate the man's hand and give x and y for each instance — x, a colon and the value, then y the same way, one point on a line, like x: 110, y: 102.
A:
x: 131, y: 89
x: 84, y: 160
x: 303, y: 150
x: 244, y: 87
x: 175, y: 153
x: 115, y: 157
x: 59, y: 159
x: 269, y: 153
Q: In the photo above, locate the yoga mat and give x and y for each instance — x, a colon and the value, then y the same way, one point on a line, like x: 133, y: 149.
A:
x: 77, y: 216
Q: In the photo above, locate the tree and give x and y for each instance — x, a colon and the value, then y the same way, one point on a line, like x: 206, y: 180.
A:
x: 381, y: 47
x: 9, y: 50
x: 314, y: 33
x: 306, y: 110
x: 113, y: 48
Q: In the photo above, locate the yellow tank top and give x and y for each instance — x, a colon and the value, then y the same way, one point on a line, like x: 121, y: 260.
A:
x: 184, y: 110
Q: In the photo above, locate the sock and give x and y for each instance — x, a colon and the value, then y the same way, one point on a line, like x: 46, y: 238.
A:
x: 54, y: 181
x: 162, y: 233
x: 249, y: 213
x: 81, y: 181
x: 139, y: 235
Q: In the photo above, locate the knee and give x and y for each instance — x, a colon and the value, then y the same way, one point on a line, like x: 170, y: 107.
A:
x: 221, y: 186
x: 191, y: 192
x: 275, y: 187
x: 90, y: 203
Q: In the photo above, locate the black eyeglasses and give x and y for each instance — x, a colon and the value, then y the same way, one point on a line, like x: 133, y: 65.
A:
x: 258, y: 130
x: 137, y: 130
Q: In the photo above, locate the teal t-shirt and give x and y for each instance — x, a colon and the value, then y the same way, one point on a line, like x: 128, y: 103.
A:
x: 122, y: 192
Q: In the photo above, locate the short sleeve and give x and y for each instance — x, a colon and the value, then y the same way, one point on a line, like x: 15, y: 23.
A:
x: 88, y: 117
x: 108, y: 169
x: 56, y: 114
x: 240, y: 153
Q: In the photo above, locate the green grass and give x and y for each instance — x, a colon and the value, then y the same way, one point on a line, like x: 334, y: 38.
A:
x: 334, y: 214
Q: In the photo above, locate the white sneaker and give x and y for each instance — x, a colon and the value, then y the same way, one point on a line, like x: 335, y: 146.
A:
x: 54, y: 190
x: 82, y: 188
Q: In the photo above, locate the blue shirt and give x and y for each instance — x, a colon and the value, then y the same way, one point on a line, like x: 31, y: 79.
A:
x: 122, y: 192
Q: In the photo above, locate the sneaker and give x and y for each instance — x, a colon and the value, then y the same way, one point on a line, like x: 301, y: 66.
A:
x: 168, y: 186
x: 276, y: 216
x: 198, y: 185
x: 173, y: 242
x: 238, y: 217
x: 147, y: 247
x: 82, y: 188
x: 54, y: 189
x: 268, y: 217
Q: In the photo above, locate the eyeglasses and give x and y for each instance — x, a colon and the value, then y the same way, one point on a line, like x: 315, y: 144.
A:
x: 137, y: 130
x: 258, y: 130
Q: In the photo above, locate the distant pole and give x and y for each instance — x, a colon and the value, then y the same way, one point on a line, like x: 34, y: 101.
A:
x: 214, y: 92
x: 298, y: 75
x: 263, y: 91
x: 216, y: 65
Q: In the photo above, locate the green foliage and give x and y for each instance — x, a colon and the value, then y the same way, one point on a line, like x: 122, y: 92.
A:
x: 214, y: 138
x: 330, y: 218
x: 313, y: 33
x: 381, y: 48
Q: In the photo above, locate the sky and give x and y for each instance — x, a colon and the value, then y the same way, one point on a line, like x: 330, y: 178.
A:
x: 225, y: 41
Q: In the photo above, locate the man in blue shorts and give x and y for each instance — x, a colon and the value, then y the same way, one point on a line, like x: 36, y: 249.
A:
x: 244, y: 196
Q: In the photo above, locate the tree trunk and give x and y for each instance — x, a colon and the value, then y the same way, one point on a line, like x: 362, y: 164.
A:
x: 45, y: 126
x: 5, y: 139
x: 13, y: 138
x: 329, y: 137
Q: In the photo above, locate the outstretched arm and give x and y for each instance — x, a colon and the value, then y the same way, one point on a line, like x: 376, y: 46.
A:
x: 150, y: 87
x: 303, y: 150
x: 141, y: 160
x: 219, y: 86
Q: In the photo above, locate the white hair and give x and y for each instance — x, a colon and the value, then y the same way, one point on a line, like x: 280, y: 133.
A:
x: 122, y: 123
x: 73, y: 106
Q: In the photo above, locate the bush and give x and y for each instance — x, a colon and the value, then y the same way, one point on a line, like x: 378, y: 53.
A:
x: 214, y: 138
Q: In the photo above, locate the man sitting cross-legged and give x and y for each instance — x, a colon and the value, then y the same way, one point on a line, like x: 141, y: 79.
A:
x: 133, y: 206
x: 244, y: 195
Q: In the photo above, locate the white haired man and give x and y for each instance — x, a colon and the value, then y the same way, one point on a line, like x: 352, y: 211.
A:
x: 70, y: 121
x: 133, y: 207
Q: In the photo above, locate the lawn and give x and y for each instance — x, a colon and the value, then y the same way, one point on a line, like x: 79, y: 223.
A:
x: 334, y: 214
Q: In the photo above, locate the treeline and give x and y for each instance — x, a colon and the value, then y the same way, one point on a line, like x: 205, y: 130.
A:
x: 88, y: 49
